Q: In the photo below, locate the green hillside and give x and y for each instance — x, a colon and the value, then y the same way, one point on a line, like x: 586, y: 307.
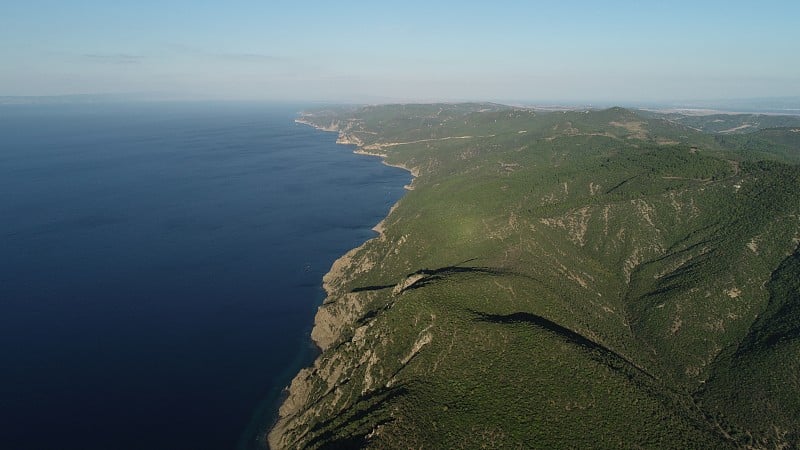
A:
x: 780, y: 144
x: 729, y: 123
x: 603, y: 279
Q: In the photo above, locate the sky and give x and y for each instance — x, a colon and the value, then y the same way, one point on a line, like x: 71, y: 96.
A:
x: 359, y: 51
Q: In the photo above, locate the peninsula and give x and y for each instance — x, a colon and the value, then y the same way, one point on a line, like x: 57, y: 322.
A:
x: 591, y: 278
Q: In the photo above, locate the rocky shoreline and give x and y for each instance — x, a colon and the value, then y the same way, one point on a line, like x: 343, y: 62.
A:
x: 329, y: 320
x: 345, y: 138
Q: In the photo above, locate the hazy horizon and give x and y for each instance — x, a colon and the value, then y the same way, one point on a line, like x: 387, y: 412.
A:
x: 769, y: 105
x: 579, y: 52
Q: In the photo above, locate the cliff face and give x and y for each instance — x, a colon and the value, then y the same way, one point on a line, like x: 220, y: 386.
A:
x: 555, y: 279
x: 333, y: 324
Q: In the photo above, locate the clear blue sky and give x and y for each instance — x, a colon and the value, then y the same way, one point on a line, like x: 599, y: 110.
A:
x: 411, y: 50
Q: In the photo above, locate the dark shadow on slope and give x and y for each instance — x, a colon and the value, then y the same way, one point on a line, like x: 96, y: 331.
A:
x: 433, y: 275
x: 622, y: 183
x: 372, y: 288
x: 780, y: 321
x: 369, y: 315
x: 542, y: 323
x: 352, y: 442
x: 599, y: 352
x: 343, y: 430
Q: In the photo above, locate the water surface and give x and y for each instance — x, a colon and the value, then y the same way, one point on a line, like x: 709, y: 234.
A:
x: 161, y: 265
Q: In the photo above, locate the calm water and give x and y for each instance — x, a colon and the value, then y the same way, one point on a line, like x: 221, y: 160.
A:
x: 160, y: 265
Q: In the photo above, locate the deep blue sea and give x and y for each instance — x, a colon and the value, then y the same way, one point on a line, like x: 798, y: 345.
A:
x: 161, y: 264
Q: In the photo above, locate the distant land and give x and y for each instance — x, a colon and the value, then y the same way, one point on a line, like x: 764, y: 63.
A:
x: 564, y: 277
x: 99, y: 98
x: 66, y: 99
x: 769, y: 105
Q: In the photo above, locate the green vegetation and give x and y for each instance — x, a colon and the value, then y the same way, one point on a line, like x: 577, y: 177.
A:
x: 605, y: 279
x: 729, y: 123
x: 779, y: 144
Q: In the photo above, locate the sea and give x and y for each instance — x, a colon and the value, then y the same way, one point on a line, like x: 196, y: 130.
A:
x: 161, y: 264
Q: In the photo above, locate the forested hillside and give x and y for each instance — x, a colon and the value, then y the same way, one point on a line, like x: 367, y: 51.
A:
x: 561, y: 279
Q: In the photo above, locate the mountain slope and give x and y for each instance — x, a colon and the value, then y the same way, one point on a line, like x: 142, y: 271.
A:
x: 555, y: 279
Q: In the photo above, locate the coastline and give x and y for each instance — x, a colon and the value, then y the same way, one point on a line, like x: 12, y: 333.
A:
x: 345, y: 139
x: 361, y: 149
x: 327, y: 324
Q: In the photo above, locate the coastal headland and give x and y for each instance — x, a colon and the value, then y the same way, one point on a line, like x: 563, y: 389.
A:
x: 611, y: 278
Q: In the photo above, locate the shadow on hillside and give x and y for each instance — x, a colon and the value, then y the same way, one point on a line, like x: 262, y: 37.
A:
x: 542, y: 323
x: 430, y: 276
x: 372, y: 288
x: 433, y: 275
x: 337, y: 432
x: 598, y: 351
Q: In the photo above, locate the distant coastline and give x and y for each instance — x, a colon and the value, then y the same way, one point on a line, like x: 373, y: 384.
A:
x: 349, y: 139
